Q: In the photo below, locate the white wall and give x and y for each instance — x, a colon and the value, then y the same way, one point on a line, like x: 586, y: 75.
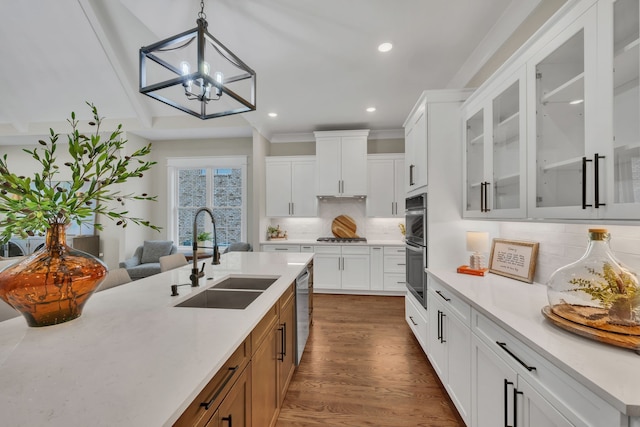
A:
x: 563, y: 243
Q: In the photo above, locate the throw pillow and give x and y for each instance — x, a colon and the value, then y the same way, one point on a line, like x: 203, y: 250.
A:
x: 152, y: 250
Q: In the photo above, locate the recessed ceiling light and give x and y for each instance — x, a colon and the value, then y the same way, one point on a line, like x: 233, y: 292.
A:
x: 385, y: 47
x: 273, y: 114
x: 371, y: 109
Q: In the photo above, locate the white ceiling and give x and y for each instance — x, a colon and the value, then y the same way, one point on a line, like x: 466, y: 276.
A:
x: 316, y: 60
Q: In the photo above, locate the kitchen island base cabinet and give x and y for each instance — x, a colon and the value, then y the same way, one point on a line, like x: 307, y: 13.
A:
x: 287, y: 355
x: 235, y: 409
x: 203, y: 410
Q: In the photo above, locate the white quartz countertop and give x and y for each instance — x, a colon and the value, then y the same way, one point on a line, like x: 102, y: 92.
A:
x: 132, y: 359
x: 372, y: 242
x: 610, y: 372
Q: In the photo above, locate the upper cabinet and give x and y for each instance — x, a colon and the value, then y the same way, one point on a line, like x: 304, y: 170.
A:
x: 386, y: 193
x: 620, y: 45
x: 431, y: 146
x: 563, y: 131
x: 494, y: 134
x: 289, y: 184
x: 415, y: 148
x: 341, y: 163
x: 581, y: 128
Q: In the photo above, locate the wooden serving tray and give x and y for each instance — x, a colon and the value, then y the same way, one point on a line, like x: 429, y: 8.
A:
x: 631, y: 342
x: 344, y: 226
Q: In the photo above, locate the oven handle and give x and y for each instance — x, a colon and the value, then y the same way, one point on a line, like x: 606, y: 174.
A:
x: 413, y: 247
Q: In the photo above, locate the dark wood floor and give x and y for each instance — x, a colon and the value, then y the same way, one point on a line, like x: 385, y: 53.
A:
x: 363, y: 367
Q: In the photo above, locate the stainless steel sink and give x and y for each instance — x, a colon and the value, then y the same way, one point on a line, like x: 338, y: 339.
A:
x: 219, y: 298
x: 255, y: 283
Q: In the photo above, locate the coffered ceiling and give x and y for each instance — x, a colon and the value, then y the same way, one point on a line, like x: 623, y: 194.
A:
x: 316, y: 61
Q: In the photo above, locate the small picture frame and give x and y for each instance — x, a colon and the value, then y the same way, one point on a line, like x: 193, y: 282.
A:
x: 514, y: 259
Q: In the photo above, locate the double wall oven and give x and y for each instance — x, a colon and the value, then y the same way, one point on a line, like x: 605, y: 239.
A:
x: 416, y: 246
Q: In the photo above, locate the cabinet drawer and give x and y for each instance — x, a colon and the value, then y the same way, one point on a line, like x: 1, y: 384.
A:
x: 572, y: 399
x: 215, y: 391
x: 262, y: 329
x: 416, y: 317
x: 394, y: 250
x: 327, y: 249
x: 355, y: 250
x: 458, y: 307
x: 281, y: 248
x: 287, y: 295
x: 394, y: 282
x: 395, y: 264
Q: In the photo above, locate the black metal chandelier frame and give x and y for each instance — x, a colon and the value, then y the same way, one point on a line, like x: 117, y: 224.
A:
x: 200, y: 77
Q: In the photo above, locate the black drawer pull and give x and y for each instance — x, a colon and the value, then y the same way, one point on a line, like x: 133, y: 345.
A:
x: 228, y: 419
x: 230, y: 374
x: 504, y: 347
x: 443, y: 297
x: 413, y: 321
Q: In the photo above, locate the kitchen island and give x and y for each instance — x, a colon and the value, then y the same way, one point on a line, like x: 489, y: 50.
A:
x: 132, y: 358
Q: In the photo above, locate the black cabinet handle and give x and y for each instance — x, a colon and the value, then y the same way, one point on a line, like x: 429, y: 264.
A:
x: 486, y: 191
x: 443, y: 297
x: 515, y: 406
x: 442, y: 316
x: 439, y: 326
x: 411, y: 174
x: 230, y: 374
x: 482, y: 197
x: 584, y: 183
x: 413, y: 321
x: 282, y: 341
x: 506, y: 402
x: 596, y: 190
x: 504, y: 347
x: 229, y: 420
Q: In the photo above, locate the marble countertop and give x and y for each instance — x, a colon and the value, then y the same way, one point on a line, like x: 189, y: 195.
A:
x: 132, y: 359
x: 610, y: 372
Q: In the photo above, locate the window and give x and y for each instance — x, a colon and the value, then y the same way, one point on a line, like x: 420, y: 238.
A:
x: 218, y: 183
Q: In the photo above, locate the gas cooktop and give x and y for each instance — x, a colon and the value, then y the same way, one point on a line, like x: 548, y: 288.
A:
x: 342, y: 239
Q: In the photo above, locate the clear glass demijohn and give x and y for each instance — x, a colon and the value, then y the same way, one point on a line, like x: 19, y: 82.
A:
x: 596, y: 290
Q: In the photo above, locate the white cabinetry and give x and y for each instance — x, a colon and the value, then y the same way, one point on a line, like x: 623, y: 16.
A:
x: 513, y: 385
x: 416, y: 317
x: 388, y: 269
x: 449, y: 344
x: 415, y: 148
x: 280, y: 248
x: 341, y: 268
x: 494, y: 132
x: 432, y: 142
x: 341, y: 163
x: 563, y: 124
x: 385, y: 192
x: 289, y: 184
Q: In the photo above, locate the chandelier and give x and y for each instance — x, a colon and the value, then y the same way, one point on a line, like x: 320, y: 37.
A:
x: 195, y: 73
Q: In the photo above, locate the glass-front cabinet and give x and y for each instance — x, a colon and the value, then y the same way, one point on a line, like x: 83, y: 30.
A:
x: 496, y: 152
x: 620, y: 45
x: 563, y: 125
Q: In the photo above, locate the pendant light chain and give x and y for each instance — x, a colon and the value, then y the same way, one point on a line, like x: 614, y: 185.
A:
x: 201, y: 14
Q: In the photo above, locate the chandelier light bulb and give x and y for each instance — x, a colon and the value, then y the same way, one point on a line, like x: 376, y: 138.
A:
x: 219, y: 78
x: 185, y: 67
x: 206, y: 68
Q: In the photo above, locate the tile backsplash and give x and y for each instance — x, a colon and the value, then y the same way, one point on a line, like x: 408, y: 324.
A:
x: 561, y: 244
x: 328, y: 209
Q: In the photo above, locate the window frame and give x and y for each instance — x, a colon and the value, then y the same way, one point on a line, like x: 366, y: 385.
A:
x: 174, y: 164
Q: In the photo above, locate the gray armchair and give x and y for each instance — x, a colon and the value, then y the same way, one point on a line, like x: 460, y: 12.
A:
x: 146, y: 258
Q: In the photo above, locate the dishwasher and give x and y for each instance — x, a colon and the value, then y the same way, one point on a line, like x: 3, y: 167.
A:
x: 302, y: 312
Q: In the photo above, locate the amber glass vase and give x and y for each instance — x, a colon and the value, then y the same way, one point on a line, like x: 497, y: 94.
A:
x: 53, y: 284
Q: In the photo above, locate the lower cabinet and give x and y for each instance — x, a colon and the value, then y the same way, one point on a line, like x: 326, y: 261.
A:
x: 235, y: 409
x: 341, y: 267
x: 250, y: 387
x: 273, y: 361
x: 449, y: 344
x: 493, y: 378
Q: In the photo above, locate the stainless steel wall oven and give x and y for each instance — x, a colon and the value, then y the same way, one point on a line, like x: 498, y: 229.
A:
x: 416, y: 246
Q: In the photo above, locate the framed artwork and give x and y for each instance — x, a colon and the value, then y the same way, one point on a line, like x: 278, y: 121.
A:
x: 514, y: 259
